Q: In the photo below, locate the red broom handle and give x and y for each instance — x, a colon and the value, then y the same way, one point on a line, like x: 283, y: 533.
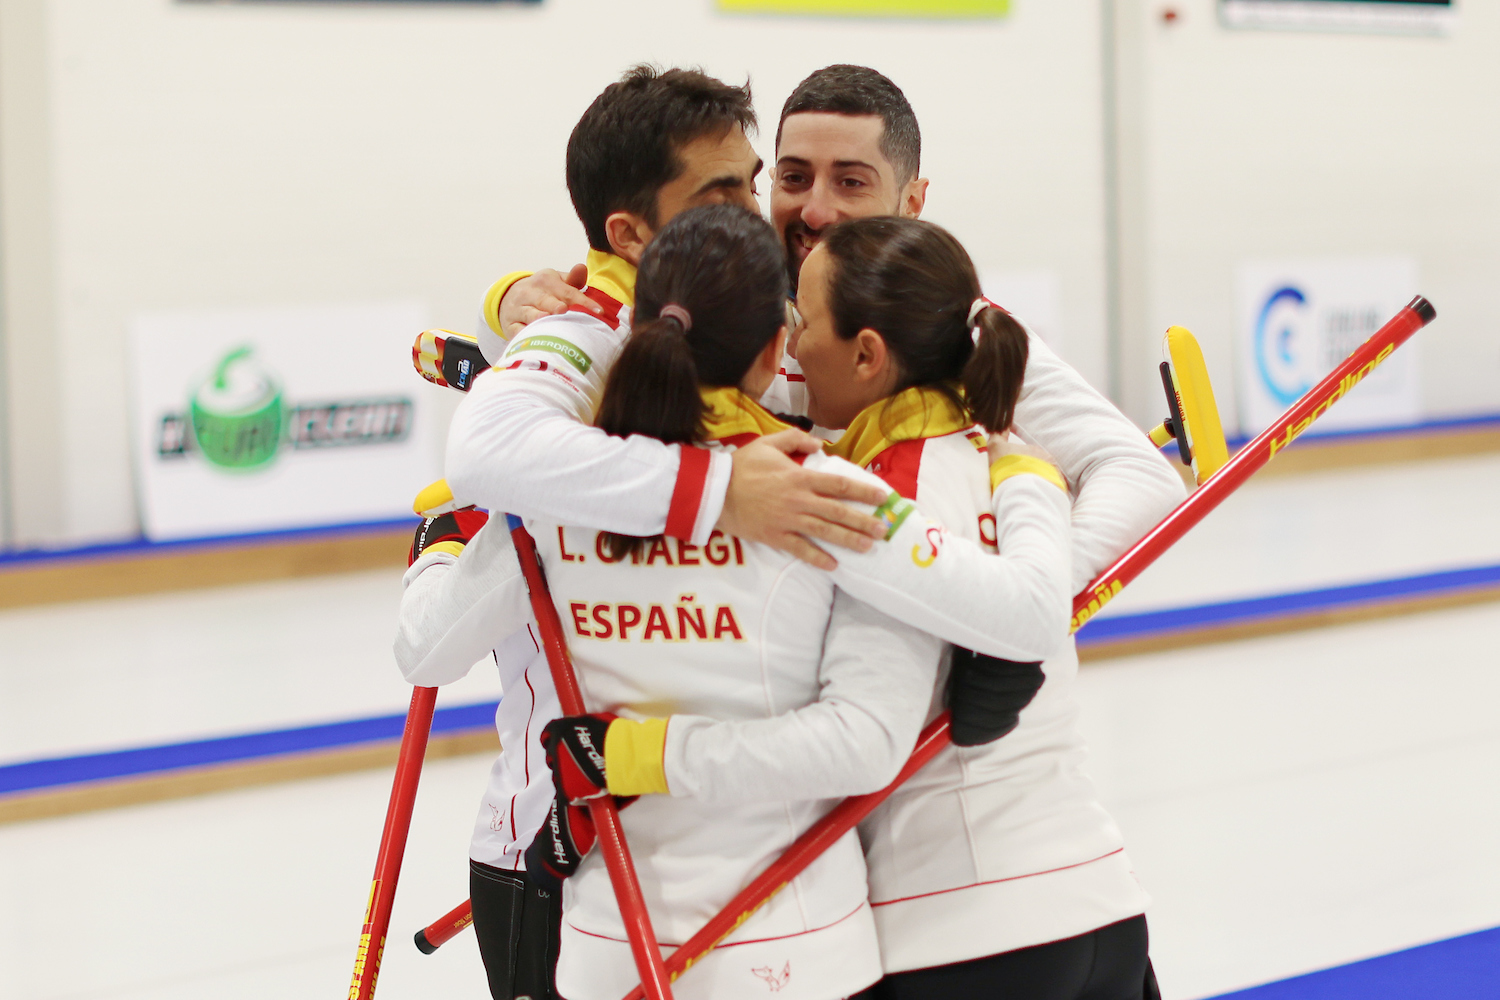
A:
x: 1253, y: 457
x: 648, y: 961
x: 438, y: 933
x: 393, y: 842
x: 1247, y: 461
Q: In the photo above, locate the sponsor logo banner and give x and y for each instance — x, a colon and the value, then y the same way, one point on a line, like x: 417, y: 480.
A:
x: 1418, y: 17
x: 257, y: 420
x: 1297, y: 320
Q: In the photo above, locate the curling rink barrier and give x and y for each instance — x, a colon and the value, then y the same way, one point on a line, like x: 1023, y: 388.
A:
x: 1294, y: 800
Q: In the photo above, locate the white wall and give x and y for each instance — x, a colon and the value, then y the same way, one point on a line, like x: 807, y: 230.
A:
x: 1261, y: 144
x: 159, y: 155
x: 224, y: 155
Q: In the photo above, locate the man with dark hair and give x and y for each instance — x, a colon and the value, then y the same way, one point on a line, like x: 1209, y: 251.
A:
x: 653, y: 144
x: 847, y: 147
x: 650, y: 146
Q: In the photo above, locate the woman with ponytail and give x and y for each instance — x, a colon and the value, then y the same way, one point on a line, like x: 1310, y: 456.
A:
x: 994, y: 872
x: 734, y: 691
x: 735, y: 694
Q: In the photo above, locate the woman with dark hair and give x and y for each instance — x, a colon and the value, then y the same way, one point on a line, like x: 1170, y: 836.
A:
x: 994, y: 871
x: 736, y: 691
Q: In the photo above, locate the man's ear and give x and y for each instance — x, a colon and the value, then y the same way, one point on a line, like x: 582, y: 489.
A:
x: 628, y: 235
x: 913, y: 198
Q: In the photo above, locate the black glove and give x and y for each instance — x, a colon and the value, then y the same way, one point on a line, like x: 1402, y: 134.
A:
x: 564, y: 840
x: 575, y: 752
x: 458, y: 526
x: 986, y: 695
x: 565, y: 837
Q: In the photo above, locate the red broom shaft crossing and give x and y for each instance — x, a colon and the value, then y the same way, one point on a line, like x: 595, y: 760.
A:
x: 844, y: 817
x: 612, y: 844
x: 803, y: 852
x: 1252, y: 458
x: 393, y: 842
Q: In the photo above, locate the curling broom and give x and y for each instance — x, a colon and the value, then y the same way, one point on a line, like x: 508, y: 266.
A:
x: 393, y: 843
x: 1249, y: 460
x: 643, y: 947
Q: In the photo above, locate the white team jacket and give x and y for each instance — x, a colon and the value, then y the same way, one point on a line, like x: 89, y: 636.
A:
x: 546, y: 388
x: 993, y: 848
x: 795, y: 728
x: 532, y: 412
x: 1121, y: 484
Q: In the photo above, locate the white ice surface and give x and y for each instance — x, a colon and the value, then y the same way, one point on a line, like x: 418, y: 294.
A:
x: 1290, y: 533
x: 247, y: 895
x: 1306, y: 800
x: 1291, y: 803
x: 135, y: 671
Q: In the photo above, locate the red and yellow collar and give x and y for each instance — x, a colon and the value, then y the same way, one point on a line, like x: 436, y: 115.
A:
x: 611, y: 284
x: 918, y: 412
x: 734, y: 418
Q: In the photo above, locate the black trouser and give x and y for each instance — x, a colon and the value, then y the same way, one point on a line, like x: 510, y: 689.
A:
x: 517, y: 925
x: 1107, y: 964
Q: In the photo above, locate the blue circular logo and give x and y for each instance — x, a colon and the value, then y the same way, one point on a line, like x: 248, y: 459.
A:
x: 1282, y: 345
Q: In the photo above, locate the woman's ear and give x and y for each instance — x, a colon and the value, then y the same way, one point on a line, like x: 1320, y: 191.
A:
x: 764, y: 368
x: 872, y: 361
x: 628, y: 235
x: 776, y: 349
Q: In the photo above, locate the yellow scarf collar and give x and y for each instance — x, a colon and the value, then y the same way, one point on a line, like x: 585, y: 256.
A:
x: 917, y: 412
x: 612, y: 275
x: 731, y: 413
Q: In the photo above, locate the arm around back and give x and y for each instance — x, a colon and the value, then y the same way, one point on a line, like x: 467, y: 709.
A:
x: 1123, y: 485
x: 876, y: 683
x: 1015, y: 605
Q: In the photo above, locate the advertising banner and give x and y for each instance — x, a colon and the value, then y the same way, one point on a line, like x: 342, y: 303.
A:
x: 1383, y: 16
x: 268, y: 419
x: 1296, y: 320
x: 872, y: 8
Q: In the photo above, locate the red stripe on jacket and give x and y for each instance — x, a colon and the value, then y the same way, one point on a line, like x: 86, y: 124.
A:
x: 611, y: 314
x: 687, y: 496
x: 899, y: 464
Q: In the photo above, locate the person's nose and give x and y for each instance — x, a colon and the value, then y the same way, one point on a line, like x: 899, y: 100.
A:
x: 821, y: 208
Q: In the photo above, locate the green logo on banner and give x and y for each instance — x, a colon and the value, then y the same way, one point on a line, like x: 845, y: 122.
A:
x: 570, y: 353
x: 237, y: 413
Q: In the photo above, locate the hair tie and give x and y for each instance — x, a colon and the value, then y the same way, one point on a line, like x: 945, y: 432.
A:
x: 678, y: 313
x: 979, y: 306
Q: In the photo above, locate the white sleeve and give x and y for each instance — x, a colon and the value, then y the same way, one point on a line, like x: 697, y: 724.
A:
x: 1123, y: 485
x: 876, y: 681
x: 1015, y: 605
x: 454, y: 611
x: 521, y: 442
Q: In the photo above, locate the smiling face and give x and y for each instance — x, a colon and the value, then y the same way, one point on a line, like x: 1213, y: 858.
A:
x: 829, y: 167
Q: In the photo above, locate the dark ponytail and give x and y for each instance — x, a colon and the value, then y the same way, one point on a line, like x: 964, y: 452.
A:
x: 653, y: 387
x: 996, y: 367
x: 724, y: 271
x: 913, y: 283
